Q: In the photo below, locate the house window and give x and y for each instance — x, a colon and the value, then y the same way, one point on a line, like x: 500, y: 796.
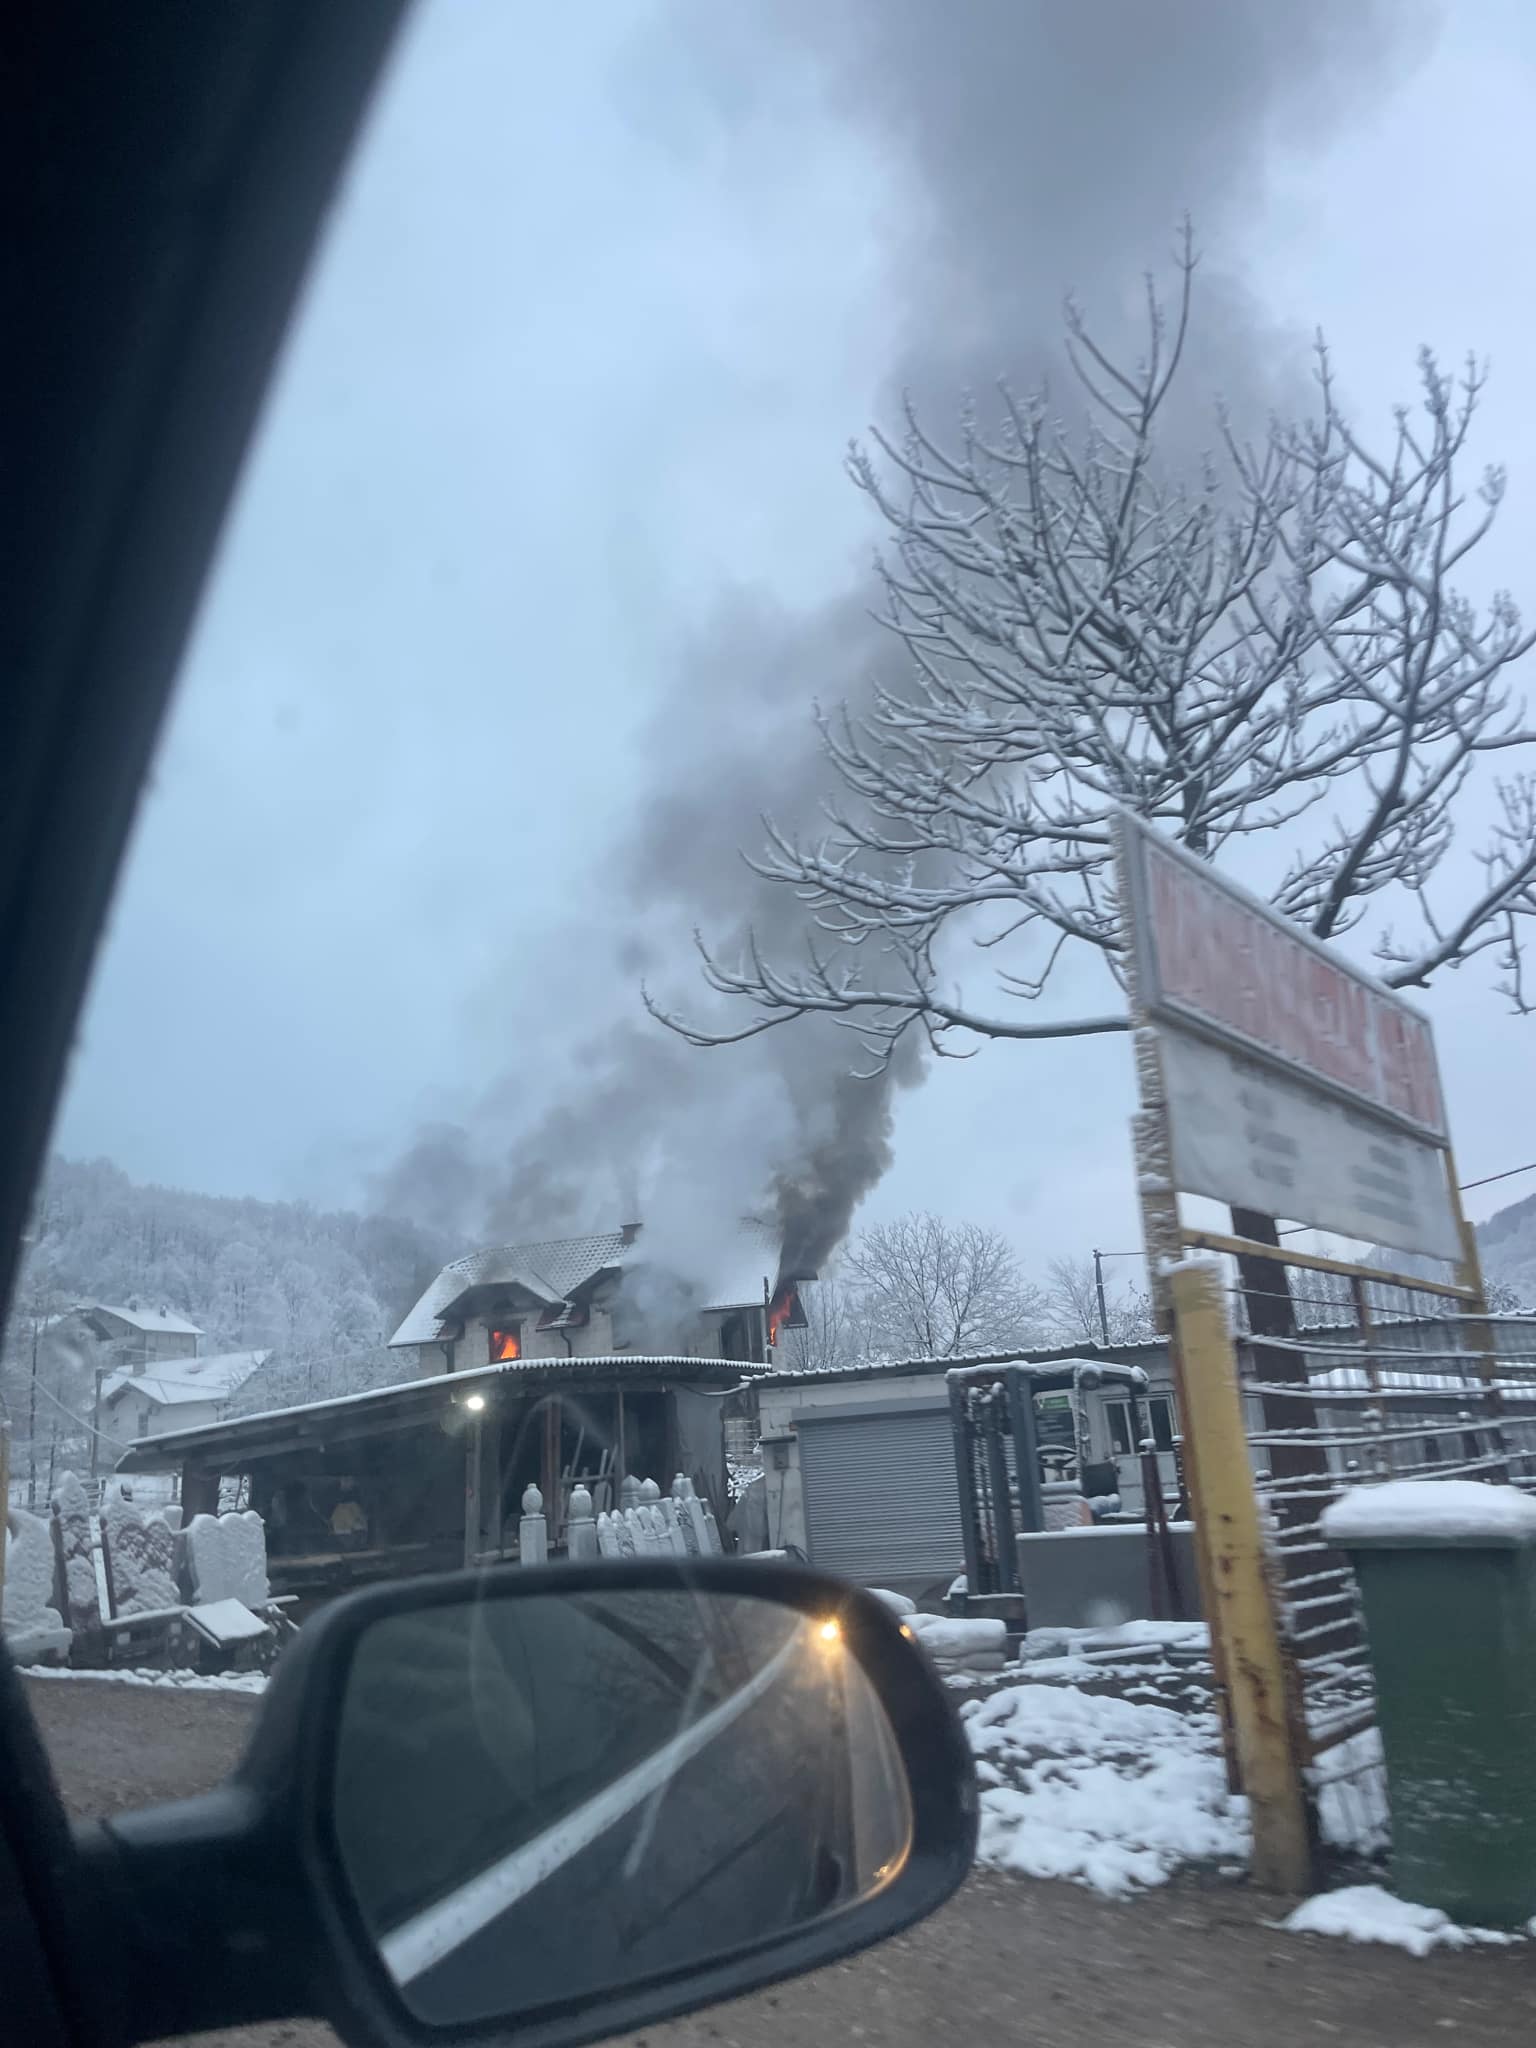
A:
x: 504, y: 1343
x: 1157, y: 1422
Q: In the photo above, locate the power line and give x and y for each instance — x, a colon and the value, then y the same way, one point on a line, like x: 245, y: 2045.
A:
x: 1509, y: 1174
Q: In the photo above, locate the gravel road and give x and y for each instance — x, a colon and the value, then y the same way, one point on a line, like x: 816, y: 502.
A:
x: 1190, y: 1967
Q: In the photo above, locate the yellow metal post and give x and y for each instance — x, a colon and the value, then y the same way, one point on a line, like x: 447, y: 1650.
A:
x: 1242, y: 1608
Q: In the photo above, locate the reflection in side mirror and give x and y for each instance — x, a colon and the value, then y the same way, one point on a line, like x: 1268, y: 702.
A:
x: 568, y: 1793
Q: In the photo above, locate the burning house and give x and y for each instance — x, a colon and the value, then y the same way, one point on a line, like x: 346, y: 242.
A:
x: 585, y: 1297
x: 570, y: 1362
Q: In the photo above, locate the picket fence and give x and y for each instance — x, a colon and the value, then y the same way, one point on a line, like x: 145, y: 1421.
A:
x: 646, y: 1523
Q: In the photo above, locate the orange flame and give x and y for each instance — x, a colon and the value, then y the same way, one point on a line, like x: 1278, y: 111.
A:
x: 779, y: 1309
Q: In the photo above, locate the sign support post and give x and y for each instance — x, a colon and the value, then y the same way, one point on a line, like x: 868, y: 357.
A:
x: 1243, y: 1610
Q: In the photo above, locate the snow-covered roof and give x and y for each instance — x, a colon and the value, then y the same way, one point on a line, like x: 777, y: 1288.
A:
x: 558, y: 1268
x: 1116, y: 1361
x: 152, y: 1453
x: 149, y: 1319
x: 550, y: 1271
x: 180, y: 1380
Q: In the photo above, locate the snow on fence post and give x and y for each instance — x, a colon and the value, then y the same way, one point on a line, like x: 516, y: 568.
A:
x: 580, y: 1528
x: 533, y: 1529
x: 609, y: 1543
x: 629, y: 1492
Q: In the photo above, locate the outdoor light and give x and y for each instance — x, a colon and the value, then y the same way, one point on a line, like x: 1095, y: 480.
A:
x: 474, y: 1403
x: 831, y: 1631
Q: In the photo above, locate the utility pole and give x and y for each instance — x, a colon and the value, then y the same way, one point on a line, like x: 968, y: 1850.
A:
x: 32, y: 1424
x: 1098, y: 1282
x: 101, y: 1373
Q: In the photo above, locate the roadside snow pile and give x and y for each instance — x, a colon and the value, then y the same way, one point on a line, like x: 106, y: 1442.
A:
x: 1469, y: 1511
x: 1364, y: 1912
x: 172, y: 1681
x: 898, y: 1603
x: 1106, y: 1792
x: 961, y: 1647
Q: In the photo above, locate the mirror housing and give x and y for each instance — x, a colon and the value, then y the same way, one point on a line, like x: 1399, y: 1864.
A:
x: 238, y: 1906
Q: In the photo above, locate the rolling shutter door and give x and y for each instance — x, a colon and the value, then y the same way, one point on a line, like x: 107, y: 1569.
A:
x: 881, y: 1499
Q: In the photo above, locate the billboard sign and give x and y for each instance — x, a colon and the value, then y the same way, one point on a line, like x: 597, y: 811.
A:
x: 1296, y: 1084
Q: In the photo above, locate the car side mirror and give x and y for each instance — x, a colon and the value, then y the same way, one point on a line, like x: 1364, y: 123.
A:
x: 552, y: 1803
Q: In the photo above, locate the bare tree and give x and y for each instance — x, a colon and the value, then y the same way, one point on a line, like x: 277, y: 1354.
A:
x: 1072, y: 1304
x: 1270, y: 659
x: 933, y: 1289
x: 837, y: 1329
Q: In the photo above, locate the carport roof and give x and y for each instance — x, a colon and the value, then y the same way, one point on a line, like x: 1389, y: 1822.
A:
x: 230, y: 1446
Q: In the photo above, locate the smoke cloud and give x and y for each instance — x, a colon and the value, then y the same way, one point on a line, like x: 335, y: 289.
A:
x: 1032, y: 149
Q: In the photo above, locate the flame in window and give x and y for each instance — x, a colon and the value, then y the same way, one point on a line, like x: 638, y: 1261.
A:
x: 785, y: 1312
x: 506, y: 1344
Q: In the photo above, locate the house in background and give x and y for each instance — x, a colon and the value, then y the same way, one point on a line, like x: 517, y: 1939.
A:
x: 130, y: 1334
x: 600, y: 1296
x: 182, y: 1393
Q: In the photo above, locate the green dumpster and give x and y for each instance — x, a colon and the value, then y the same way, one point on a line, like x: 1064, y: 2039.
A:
x: 1447, y: 1574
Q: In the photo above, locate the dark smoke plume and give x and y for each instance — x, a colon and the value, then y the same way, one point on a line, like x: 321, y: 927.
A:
x: 1033, y: 148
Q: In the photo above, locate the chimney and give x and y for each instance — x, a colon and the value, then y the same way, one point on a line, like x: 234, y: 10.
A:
x: 629, y: 1232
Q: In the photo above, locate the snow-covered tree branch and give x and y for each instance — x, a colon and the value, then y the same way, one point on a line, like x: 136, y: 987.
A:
x: 1272, y: 658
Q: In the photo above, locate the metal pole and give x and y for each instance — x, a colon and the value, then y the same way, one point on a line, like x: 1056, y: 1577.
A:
x: 101, y: 1371
x: 1098, y: 1282
x: 965, y: 1475
x: 1026, y: 1452
x: 1242, y: 1607
x: 472, y: 1446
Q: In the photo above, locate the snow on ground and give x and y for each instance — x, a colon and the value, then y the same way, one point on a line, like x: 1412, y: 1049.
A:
x: 175, y: 1681
x: 1112, y: 1793
x: 1364, y: 1912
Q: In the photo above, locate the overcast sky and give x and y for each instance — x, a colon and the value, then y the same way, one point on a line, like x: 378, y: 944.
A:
x: 605, y: 298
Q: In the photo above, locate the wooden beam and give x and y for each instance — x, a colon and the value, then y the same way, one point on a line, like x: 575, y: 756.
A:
x: 1314, y: 1262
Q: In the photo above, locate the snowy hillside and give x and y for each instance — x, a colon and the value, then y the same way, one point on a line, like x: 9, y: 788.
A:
x: 318, y: 1291
x: 1508, y: 1244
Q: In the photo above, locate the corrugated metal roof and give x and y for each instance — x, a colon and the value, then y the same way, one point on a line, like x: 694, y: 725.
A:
x: 241, y: 1433
x: 1088, y: 1354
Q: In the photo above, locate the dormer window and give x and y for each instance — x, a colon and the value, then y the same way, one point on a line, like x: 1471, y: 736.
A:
x: 504, y: 1343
